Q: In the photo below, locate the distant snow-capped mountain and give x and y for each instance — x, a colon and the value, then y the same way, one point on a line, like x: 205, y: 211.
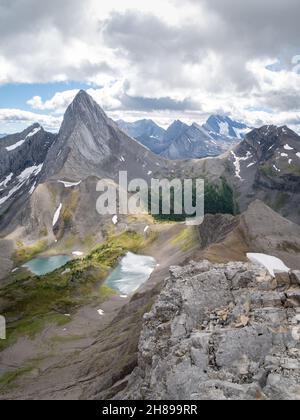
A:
x: 225, y: 126
x: 213, y: 138
x: 181, y: 141
x: 147, y: 132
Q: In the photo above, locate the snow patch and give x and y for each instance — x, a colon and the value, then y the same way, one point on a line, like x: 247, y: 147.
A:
x: 56, y: 215
x: 284, y: 155
x: 100, y: 312
x: 224, y: 129
x: 70, y: 184
x: 241, y: 132
x: 287, y: 147
x: 6, y: 181
x: 272, y: 264
x: 298, y: 155
x: 237, y: 163
x: 31, y: 191
x: 11, y: 192
x: 28, y: 172
x: 77, y: 253
x: 276, y: 169
x: 33, y: 132
x: 15, y: 146
x: 19, y: 143
x: 115, y: 220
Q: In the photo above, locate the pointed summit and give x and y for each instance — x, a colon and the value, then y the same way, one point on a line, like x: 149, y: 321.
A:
x: 89, y: 143
x: 84, y: 107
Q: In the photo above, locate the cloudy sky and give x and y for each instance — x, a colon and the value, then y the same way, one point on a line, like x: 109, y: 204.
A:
x: 160, y: 59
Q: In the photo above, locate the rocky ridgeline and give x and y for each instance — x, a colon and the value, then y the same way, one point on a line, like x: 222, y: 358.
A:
x: 221, y: 332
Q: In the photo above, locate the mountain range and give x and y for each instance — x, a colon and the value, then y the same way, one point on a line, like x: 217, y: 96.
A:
x: 90, y: 146
x: 216, y: 326
x: 181, y: 141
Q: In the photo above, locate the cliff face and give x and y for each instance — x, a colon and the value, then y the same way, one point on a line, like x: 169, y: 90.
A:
x: 226, y: 331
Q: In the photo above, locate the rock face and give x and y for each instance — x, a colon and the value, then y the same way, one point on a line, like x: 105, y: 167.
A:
x: 225, y: 126
x: 259, y: 229
x: 194, y: 142
x: 147, y: 132
x: 66, y: 170
x: 266, y: 166
x: 176, y: 130
x: 226, y: 331
x: 211, y: 139
x: 91, y: 144
x: 22, y: 157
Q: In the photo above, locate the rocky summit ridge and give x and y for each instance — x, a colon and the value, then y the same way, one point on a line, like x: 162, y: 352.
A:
x: 220, y: 332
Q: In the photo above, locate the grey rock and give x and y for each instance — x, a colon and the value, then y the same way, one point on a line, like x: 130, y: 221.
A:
x: 21, y: 158
x: 295, y: 277
x: 222, y: 339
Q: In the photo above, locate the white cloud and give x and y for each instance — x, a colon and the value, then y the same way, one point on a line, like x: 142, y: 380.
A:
x: 18, y: 116
x: 194, y: 58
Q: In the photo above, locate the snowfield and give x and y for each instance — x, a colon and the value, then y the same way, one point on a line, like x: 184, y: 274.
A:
x: 272, y: 264
x: 56, y: 215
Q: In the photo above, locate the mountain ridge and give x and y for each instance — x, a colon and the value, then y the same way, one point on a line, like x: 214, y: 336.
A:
x: 181, y: 141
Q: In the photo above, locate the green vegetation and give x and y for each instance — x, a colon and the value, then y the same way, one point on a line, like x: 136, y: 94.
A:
x: 186, y: 239
x: 31, y: 301
x: 7, y: 379
x: 59, y: 339
x: 25, y: 253
x: 219, y: 198
x: 266, y: 170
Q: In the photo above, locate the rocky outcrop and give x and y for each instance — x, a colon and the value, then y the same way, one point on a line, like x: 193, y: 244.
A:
x: 227, y: 331
x: 225, y: 238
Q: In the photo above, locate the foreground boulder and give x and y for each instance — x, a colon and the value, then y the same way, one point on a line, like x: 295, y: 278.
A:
x: 227, y: 331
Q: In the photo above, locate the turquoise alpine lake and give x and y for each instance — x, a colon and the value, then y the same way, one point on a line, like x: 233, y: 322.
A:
x: 132, y: 271
x: 42, y: 266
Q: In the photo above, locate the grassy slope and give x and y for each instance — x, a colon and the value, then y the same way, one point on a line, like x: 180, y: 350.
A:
x: 31, y: 301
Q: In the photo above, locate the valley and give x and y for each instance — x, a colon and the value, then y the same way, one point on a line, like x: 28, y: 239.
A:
x: 74, y: 321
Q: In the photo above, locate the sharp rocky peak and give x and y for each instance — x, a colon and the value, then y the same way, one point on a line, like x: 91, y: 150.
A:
x: 86, y: 109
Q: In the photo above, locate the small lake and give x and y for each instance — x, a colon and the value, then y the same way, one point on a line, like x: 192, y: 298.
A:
x: 131, y: 273
x: 42, y: 266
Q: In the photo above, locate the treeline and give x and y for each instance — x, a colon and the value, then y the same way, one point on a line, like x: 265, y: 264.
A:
x: 218, y: 198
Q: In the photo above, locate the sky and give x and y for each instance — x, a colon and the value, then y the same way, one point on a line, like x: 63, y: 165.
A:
x: 158, y: 59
